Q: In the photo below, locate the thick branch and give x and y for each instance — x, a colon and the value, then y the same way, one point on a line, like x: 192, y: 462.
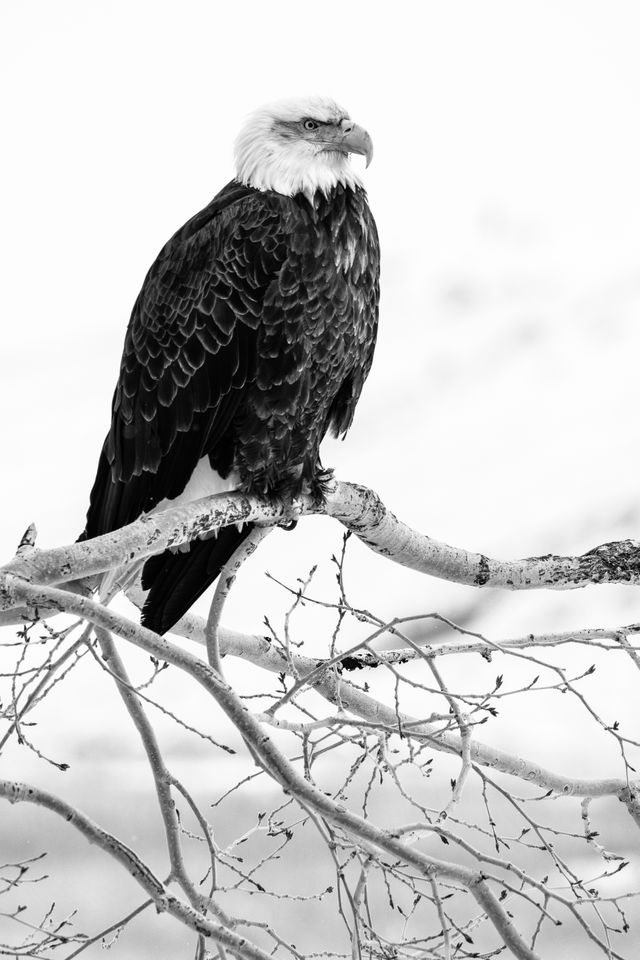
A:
x: 358, y: 509
x: 150, y: 534
x: 362, y: 512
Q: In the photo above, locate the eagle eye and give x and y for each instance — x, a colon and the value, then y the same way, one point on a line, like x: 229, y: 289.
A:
x: 311, y: 124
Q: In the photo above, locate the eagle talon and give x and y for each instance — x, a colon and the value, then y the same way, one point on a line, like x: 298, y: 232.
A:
x: 293, y: 514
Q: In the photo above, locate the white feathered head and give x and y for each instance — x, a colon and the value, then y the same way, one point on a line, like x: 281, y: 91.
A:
x: 300, y: 146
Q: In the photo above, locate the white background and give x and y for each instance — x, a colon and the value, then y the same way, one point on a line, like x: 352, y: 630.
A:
x: 502, y: 410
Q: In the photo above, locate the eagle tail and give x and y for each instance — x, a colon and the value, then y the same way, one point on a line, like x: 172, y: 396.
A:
x: 175, y: 580
x: 114, y: 504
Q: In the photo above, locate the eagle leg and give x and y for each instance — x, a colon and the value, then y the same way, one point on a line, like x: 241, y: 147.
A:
x: 321, y: 485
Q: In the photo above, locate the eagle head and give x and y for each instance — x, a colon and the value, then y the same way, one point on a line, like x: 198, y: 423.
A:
x: 300, y: 146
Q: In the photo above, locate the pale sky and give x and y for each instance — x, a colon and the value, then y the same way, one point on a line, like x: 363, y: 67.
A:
x: 501, y: 412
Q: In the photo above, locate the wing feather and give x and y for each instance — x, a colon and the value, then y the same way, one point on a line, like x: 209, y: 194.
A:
x: 189, y: 354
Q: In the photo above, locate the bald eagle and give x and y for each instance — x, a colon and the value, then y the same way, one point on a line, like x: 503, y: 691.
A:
x: 252, y: 337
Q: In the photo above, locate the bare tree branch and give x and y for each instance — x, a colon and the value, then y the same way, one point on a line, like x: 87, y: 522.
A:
x: 342, y: 693
x: 16, y: 792
x: 361, y: 511
x: 365, y: 725
x: 272, y: 760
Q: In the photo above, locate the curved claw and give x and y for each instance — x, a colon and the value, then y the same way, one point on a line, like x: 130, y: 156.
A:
x: 293, y: 514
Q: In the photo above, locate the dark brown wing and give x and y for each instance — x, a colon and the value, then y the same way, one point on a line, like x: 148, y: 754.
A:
x: 253, y: 333
x: 189, y: 353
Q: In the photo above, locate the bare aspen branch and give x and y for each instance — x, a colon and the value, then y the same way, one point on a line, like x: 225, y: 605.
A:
x: 223, y: 587
x: 357, y: 508
x: 112, y: 928
x: 27, y: 541
x: 591, y: 638
x: 364, y: 514
x: 163, y: 779
x: 346, y: 696
x: 382, y: 740
x: 273, y: 761
x: 16, y: 792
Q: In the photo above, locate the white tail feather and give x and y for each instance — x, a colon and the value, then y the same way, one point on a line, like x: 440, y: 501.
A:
x: 204, y: 482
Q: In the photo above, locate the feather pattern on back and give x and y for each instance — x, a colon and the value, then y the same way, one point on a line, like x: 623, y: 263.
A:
x: 251, y: 337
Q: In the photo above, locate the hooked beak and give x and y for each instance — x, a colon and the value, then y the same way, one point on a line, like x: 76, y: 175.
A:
x: 355, y: 139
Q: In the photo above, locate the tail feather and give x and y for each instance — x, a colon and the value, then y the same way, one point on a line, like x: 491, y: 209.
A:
x: 175, y: 580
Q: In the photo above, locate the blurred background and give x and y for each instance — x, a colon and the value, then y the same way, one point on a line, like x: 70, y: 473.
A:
x: 501, y: 412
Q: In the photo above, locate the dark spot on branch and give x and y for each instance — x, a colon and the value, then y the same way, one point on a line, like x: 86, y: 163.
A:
x: 484, y: 572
